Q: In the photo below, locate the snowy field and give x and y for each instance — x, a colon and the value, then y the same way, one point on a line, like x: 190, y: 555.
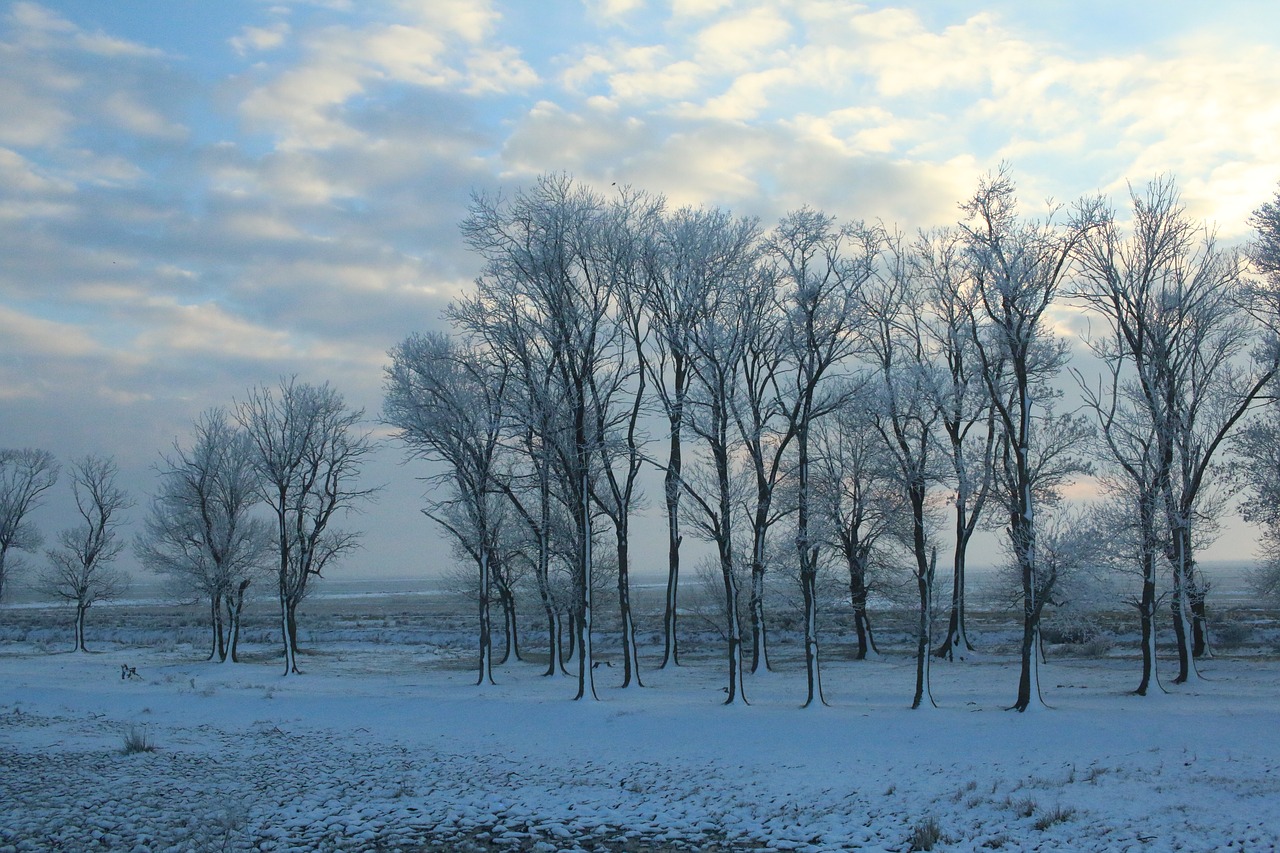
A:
x: 386, y: 743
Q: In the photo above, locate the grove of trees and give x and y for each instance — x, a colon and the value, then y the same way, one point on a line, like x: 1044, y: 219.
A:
x: 818, y: 397
x: 837, y: 386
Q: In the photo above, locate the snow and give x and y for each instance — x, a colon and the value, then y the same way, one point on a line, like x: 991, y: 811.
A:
x: 393, y: 746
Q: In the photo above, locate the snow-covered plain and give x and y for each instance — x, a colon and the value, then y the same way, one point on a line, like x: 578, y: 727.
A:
x: 386, y: 743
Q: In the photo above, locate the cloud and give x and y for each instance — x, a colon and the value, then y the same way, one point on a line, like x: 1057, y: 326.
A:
x: 257, y: 39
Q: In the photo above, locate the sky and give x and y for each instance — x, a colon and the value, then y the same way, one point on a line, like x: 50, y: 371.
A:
x: 197, y: 198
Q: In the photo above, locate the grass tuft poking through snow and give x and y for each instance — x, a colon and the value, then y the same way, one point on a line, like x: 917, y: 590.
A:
x: 926, y: 834
x: 1059, y: 814
x: 137, y: 740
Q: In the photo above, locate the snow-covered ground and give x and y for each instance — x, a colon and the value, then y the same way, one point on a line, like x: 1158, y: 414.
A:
x: 383, y: 746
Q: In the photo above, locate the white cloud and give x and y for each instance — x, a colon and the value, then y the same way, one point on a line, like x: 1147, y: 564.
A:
x: 254, y: 39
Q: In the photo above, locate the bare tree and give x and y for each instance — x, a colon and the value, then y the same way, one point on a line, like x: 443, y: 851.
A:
x: 80, y: 569
x: 307, y: 452
x: 939, y: 263
x: 1179, y: 333
x: 200, y: 529
x: 858, y: 497
x: 25, y: 475
x: 447, y: 401
x: 716, y: 345
x: 548, y: 282
x: 761, y: 412
x: 694, y: 251
x: 618, y: 395
x: 822, y: 268
x: 1018, y: 268
x: 906, y: 410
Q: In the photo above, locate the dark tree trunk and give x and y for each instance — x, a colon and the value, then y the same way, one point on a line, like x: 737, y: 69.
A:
x: 858, y: 601
x: 630, y: 660
x: 568, y: 623
x: 214, y: 639
x: 235, y: 608
x: 81, y: 610
x: 670, y: 648
x: 1147, y: 617
x: 759, y: 629
x: 1197, y: 593
x: 486, y: 637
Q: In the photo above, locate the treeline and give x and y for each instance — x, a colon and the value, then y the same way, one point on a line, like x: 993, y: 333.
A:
x: 817, y: 396
x: 831, y: 393
x: 252, y: 497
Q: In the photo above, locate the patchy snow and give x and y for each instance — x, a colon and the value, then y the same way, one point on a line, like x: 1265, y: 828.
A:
x: 389, y: 746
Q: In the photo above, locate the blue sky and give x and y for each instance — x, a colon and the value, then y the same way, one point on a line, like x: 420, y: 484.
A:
x: 197, y: 197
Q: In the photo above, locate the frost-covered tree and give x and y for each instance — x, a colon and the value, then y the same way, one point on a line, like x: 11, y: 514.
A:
x: 25, y: 475
x: 1018, y: 266
x: 201, y: 531
x: 939, y: 264
x: 307, y: 450
x: 546, y: 301
x: 1178, y: 352
x: 716, y: 345
x: 447, y: 403
x: 80, y: 570
x: 905, y: 411
x: 767, y: 433
x: 858, y: 498
x: 821, y: 268
x: 694, y: 252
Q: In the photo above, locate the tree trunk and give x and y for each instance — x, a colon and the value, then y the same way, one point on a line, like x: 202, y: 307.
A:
x: 290, y: 651
x: 670, y: 648
x: 509, y: 617
x: 1180, y: 606
x: 486, y: 639
x: 813, y: 673
x: 735, y: 690
x: 214, y: 639
x: 219, y: 629
x: 630, y: 660
x: 1196, y: 594
x: 924, y: 629
x: 1147, y: 616
x: 858, y: 601
x: 81, y: 609
x: 759, y: 631
x: 292, y: 616
x: 236, y: 608
x: 956, y: 645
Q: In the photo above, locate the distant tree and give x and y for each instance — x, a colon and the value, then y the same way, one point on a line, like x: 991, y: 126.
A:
x: 200, y: 530
x: 1256, y: 473
x: 80, y: 569
x: 447, y: 402
x: 1019, y: 267
x: 307, y: 450
x: 859, y: 500
x: 25, y: 475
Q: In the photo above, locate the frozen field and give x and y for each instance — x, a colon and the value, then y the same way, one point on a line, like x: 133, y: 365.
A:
x: 386, y: 743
